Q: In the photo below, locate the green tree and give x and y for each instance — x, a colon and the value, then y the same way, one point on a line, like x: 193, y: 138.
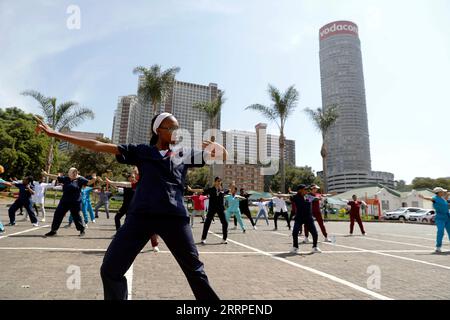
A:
x: 212, y: 109
x: 294, y: 177
x: 402, y: 186
x: 22, y: 152
x: 197, y: 177
x: 155, y: 83
x: 87, y: 162
x: 64, y: 116
x: 323, y: 120
x: 421, y: 183
x: 282, y: 107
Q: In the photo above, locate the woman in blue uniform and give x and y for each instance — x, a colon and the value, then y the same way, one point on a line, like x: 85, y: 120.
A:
x: 157, y: 206
x: 70, y: 200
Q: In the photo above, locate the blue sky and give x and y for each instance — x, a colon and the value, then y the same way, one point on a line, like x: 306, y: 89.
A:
x: 242, y: 46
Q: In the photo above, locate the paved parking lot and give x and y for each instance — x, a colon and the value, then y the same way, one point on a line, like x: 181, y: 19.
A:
x: 394, y: 261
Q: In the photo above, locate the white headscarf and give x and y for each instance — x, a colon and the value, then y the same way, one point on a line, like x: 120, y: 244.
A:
x: 160, y: 118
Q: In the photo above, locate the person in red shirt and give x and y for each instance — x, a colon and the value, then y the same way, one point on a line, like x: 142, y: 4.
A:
x: 199, y: 206
x: 355, y: 206
x: 315, y: 198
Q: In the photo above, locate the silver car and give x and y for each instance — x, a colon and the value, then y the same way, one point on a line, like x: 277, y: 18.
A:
x: 424, y: 216
x: 400, y: 213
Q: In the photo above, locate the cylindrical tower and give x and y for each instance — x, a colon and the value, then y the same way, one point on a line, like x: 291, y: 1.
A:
x: 342, y: 81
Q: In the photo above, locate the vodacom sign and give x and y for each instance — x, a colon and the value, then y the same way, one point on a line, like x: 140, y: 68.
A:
x: 338, y: 27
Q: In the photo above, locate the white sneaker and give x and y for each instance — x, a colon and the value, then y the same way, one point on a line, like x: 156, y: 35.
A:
x: 36, y: 224
x: 86, y: 225
x: 43, y: 220
x: 438, y: 250
x: 224, y: 242
x: 156, y: 249
x: 327, y: 240
x: 255, y: 228
x: 93, y: 221
x: 316, y: 250
x: 294, y: 250
x: 305, y: 240
x: 203, y: 241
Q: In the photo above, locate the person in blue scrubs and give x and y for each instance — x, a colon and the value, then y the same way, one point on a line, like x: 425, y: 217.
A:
x: 157, y: 206
x: 232, y: 200
x: 442, y: 220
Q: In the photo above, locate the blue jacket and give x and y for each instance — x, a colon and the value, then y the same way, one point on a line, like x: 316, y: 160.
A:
x: 161, y: 178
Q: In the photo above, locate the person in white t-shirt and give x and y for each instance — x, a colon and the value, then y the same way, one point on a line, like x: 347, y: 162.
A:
x: 39, y: 196
x: 280, y: 209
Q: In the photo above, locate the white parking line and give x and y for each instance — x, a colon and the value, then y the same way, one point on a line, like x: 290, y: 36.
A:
x: 25, y: 231
x: 388, y: 241
x: 391, y: 255
x: 383, y: 252
x: 312, y: 270
x: 403, y: 236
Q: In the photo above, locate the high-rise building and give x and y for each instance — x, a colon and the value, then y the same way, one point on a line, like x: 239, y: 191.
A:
x: 121, y: 124
x: 179, y: 101
x: 342, y: 79
x: 243, y: 150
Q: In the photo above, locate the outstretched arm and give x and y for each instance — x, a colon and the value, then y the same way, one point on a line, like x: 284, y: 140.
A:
x: 51, y: 176
x: 194, y: 190
x: 122, y: 184
x: 90, y: 144
x: 425, y: 198
x: 214, y: 150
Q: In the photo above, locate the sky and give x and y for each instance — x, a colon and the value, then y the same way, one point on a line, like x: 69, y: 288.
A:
x: 242, y: 45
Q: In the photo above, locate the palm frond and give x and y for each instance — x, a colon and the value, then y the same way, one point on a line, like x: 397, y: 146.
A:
x: 72, y: 119
x: 44, y: 102
x: 265, y: 111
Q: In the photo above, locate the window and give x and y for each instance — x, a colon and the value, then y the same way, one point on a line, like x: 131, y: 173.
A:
x: 384, y: 204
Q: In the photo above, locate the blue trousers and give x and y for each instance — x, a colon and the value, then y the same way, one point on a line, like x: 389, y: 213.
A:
x: 131, y: 238
x: 442, y: 224
x: 61, y: 210
x: 309, y: 222
x: 86, y: 206
x: 28, y: 205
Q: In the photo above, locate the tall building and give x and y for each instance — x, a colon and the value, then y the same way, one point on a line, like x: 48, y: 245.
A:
x: 243, y: 149
x: 67, y: 146
x: 179, y: 101
x: 342, y: 80
x: 121, y: 123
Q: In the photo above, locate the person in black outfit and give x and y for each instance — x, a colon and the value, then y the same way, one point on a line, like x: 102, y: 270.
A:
x: 243, y: 207
x: 303, y: 216
x: 157, y: 206
x: 128, y: 193
x: 70, y: 200
x: 216, y: 205
x: 26, y: 190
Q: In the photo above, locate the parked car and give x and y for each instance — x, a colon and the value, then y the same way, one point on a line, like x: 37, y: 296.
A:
x: 400, y: 213
x: 423, y: 215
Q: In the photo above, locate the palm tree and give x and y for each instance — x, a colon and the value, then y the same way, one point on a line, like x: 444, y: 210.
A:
x: 323, y: 120
x: 155, y: 83
x: 212, y: 109
x: 64, y: 116
x: 282, y: 107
